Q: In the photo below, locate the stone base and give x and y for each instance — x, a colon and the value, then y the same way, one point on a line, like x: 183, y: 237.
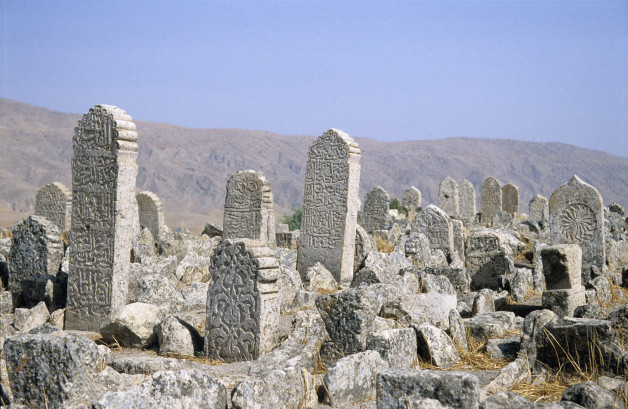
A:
x: 564, y: 302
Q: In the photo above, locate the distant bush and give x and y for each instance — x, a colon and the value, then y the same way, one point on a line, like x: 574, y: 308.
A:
x: 293, y: 220
x: 396, y: 204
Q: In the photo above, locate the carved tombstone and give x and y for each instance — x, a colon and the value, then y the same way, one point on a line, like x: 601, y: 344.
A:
x: 448, y: 197
x: 151, y: 212
x: 104, y: 216
x: 577, y: 217
x: 510, y: 199
x: 491, y: 199
x: 434, y: 223
x: 488, y: 259
x: 411, y: 200
x: 54, y: 202
x: 36, y: 248
x: 538, y: 210
x: 242, y: 301
x: 330, y: 206
x: 249, y: 208
x: 466, y: 200
x: 375, y: 214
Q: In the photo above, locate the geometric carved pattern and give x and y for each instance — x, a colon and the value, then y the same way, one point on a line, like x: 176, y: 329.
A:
x: 577, y: 222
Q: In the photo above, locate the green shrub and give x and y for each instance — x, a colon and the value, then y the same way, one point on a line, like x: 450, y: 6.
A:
x: 293, y: 220
x: 396, y: 204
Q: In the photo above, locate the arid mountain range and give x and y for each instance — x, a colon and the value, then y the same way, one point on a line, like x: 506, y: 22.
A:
x: 188, y: 168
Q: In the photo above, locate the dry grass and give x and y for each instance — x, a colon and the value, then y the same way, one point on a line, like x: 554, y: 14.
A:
x: 545, y: 388
x: 475, y: 359
x: 384, y: 245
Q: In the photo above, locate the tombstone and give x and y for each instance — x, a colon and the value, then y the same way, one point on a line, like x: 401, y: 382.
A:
x: 577, y: 217
x: 330, y: 206
x: 502, y: 220
x: 488, y: 259
x: 36, y: 249
x: 466, y: 201
x: 242, y: 301
x: 436, y: 225
x: 491, y: 200
x: 510, y: 199
x: 104, y: 216
x: 448, y: 197
x: 411, y: 200
x: 249, y: 208
x: 151, y: 212
x: 458, y: 234
x: 538, y: 211
x: 375, y: 214
x: 54, y: 202
x: 562, y: 266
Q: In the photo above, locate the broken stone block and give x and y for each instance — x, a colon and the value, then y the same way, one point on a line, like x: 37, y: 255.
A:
x: 591, y: 395
x: 619, y: 321
x: 459, y: 390
x: 434, y: 346
x: 589, y: 311
x: 563, y: 302
x: 45, y: 287
x: 320, y: 280
x: 562, y: 265
x: 195, y: 295
x: 520, y: 283
x: 603, y: 290
x: 287, y: 388
x: 437, y: 283
x: 133, y: 326
x: 488, y: 258
x: 457, y: 331
x: 432, y: 308
x: 503, y: 348
x: 212, y: 230
x: 176, y: 336
x: 507, y: 400
x: 386, y: 266
x: 483, y: 302
x: 193, y: 269
x: 352, y: 379
x: 157, y: 290
x: 56, y: 318
x: 6, y: 302
x: 490, y: 325
x: 398, y: 347
x: 25, y: 319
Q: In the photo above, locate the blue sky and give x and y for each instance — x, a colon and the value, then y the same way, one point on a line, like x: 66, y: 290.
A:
x: 542, y: 71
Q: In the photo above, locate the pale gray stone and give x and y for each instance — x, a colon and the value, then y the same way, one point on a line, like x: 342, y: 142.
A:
x: 483, y: 302
x: 603, y: 290
x: 459, y: 278
x: 398, y: 347
x: 490, y: 324
x: 417, y: 248
x: 249, y: 208
x: 564, y: 302
x: 592, y: 396
x: 375, y: 214
x: 104, y: 211
x: 491, y: 199
x: 319, y: 279
x: 303, y: 299
x: 157, y: 290
x: 352, y: 378
x: 411, y: 200
x: 434, y: 346
x: 363, y: 247
x: 436, y: 225
x: 438, y: 284
x: 57, y: 318
x: 502, y: 220
x: 488, y: 259
x: 432, y: 308
x: 507, y: 400
x: 520, y: 283
x: 133, y: 326
x: 503, y: 348
x: 25, y: 319
x: 54, y: 202
x: 515, y: 372
x: 459, y: 235
x: 195, y: 295
x: 385, y: 266
x: 538, y: 210
x: 289, y: 284
x: 458, y: 331
x: 466, y: 200
x: 448, y: 197
x: 510, y: 199
x: 328, y: 232
x: 151, y: 212
x: 589, y: 311
x: 562, y: 266
x: 193, y: 269
x: 175, y: 336
x: 439, y: 259
x: 289, y: 239
x: 279, y: 388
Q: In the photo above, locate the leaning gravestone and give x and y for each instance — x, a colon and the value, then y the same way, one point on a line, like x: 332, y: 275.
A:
x: 448, y: 198
x: 491, y: 200
x: 466, y: 200
x: 104, y: 216
x: 434, y: 223
x: 538, y: 210
x: 242, y: 301
x: 577, y: 217
x: 330, y: 206
x: 151, y: 212
x: 411, y: 200
x: 375, y: 213
x: 54, y: 202
x: 510, y: 199
x: 36, y: 248
x: 249, y: 208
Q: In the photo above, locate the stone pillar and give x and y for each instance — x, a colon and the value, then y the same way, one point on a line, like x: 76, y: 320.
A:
x: 243, y: 301
x: 330, y: 206
x: 54, y: 202
x: 562, y: 265
x: 538, y: 210
x: 510, y: 199
x: 434, y: 223
x: 491, y: 200
x: 375, y: 215
x: 411, y: 200
x: 104, y: 216
x: 448, y: 197
x: 151, y: 212
x: 466, y: 197
x: 249, y: 210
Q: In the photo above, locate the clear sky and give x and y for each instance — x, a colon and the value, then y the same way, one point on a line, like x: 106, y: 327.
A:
x: 390, y: 70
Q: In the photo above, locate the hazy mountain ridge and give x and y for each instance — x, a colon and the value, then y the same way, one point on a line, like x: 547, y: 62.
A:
x: 188, y: 168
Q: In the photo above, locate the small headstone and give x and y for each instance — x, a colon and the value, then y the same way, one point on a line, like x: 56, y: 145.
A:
x: 411, y: 200
x: 577, y: 217
x: 436, y: 225
x: 538, y: 210
x: 243, y: 302
x: 466, y: 200
x: 330, y: 205
x: 562, y: 270
x: 151, y: 212
x: 448, y: 198
x: 54, y: 202
x: 375, y: 214
x: 510, y: 199
x: 488, y: 259
x: 491, y: 200
x: 249, y: 208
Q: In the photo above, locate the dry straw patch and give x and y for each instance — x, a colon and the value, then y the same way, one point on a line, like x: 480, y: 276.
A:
x: 384, y: 245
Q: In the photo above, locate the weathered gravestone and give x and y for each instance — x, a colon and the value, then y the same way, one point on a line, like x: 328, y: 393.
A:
x: 577, y: 217
x: 411, y: 200
x: 242, y: 301
x: 491, y: 200
x: 375, y: 214
x: 562, y: 271
x: 466, y: 199
x: 104, y: 216
x: 488, y: 259
x: 330, y: 206
x: 538, y: 210
x: 434, y: 223
x: 510, y: 199
x: 151, y: 212
x: 448, y: 198
x: 54, y: 202
x: 249, y: 208
x: 36, y: 248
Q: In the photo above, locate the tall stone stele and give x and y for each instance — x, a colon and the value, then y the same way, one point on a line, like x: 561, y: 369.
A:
x: 448, y: 196
x: 510, y: 199
x: 466, y: 200
x: 104, y: 216
x: 54, y: 202
x: 242, y: 301
x: 249, y: 208
x: 151, y: 212
x: 375, y: 214
x: 577, y: 217
x: 538, y: 210
x: 330, y: 205
x: 490, y: 200
x: 411, y: 200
